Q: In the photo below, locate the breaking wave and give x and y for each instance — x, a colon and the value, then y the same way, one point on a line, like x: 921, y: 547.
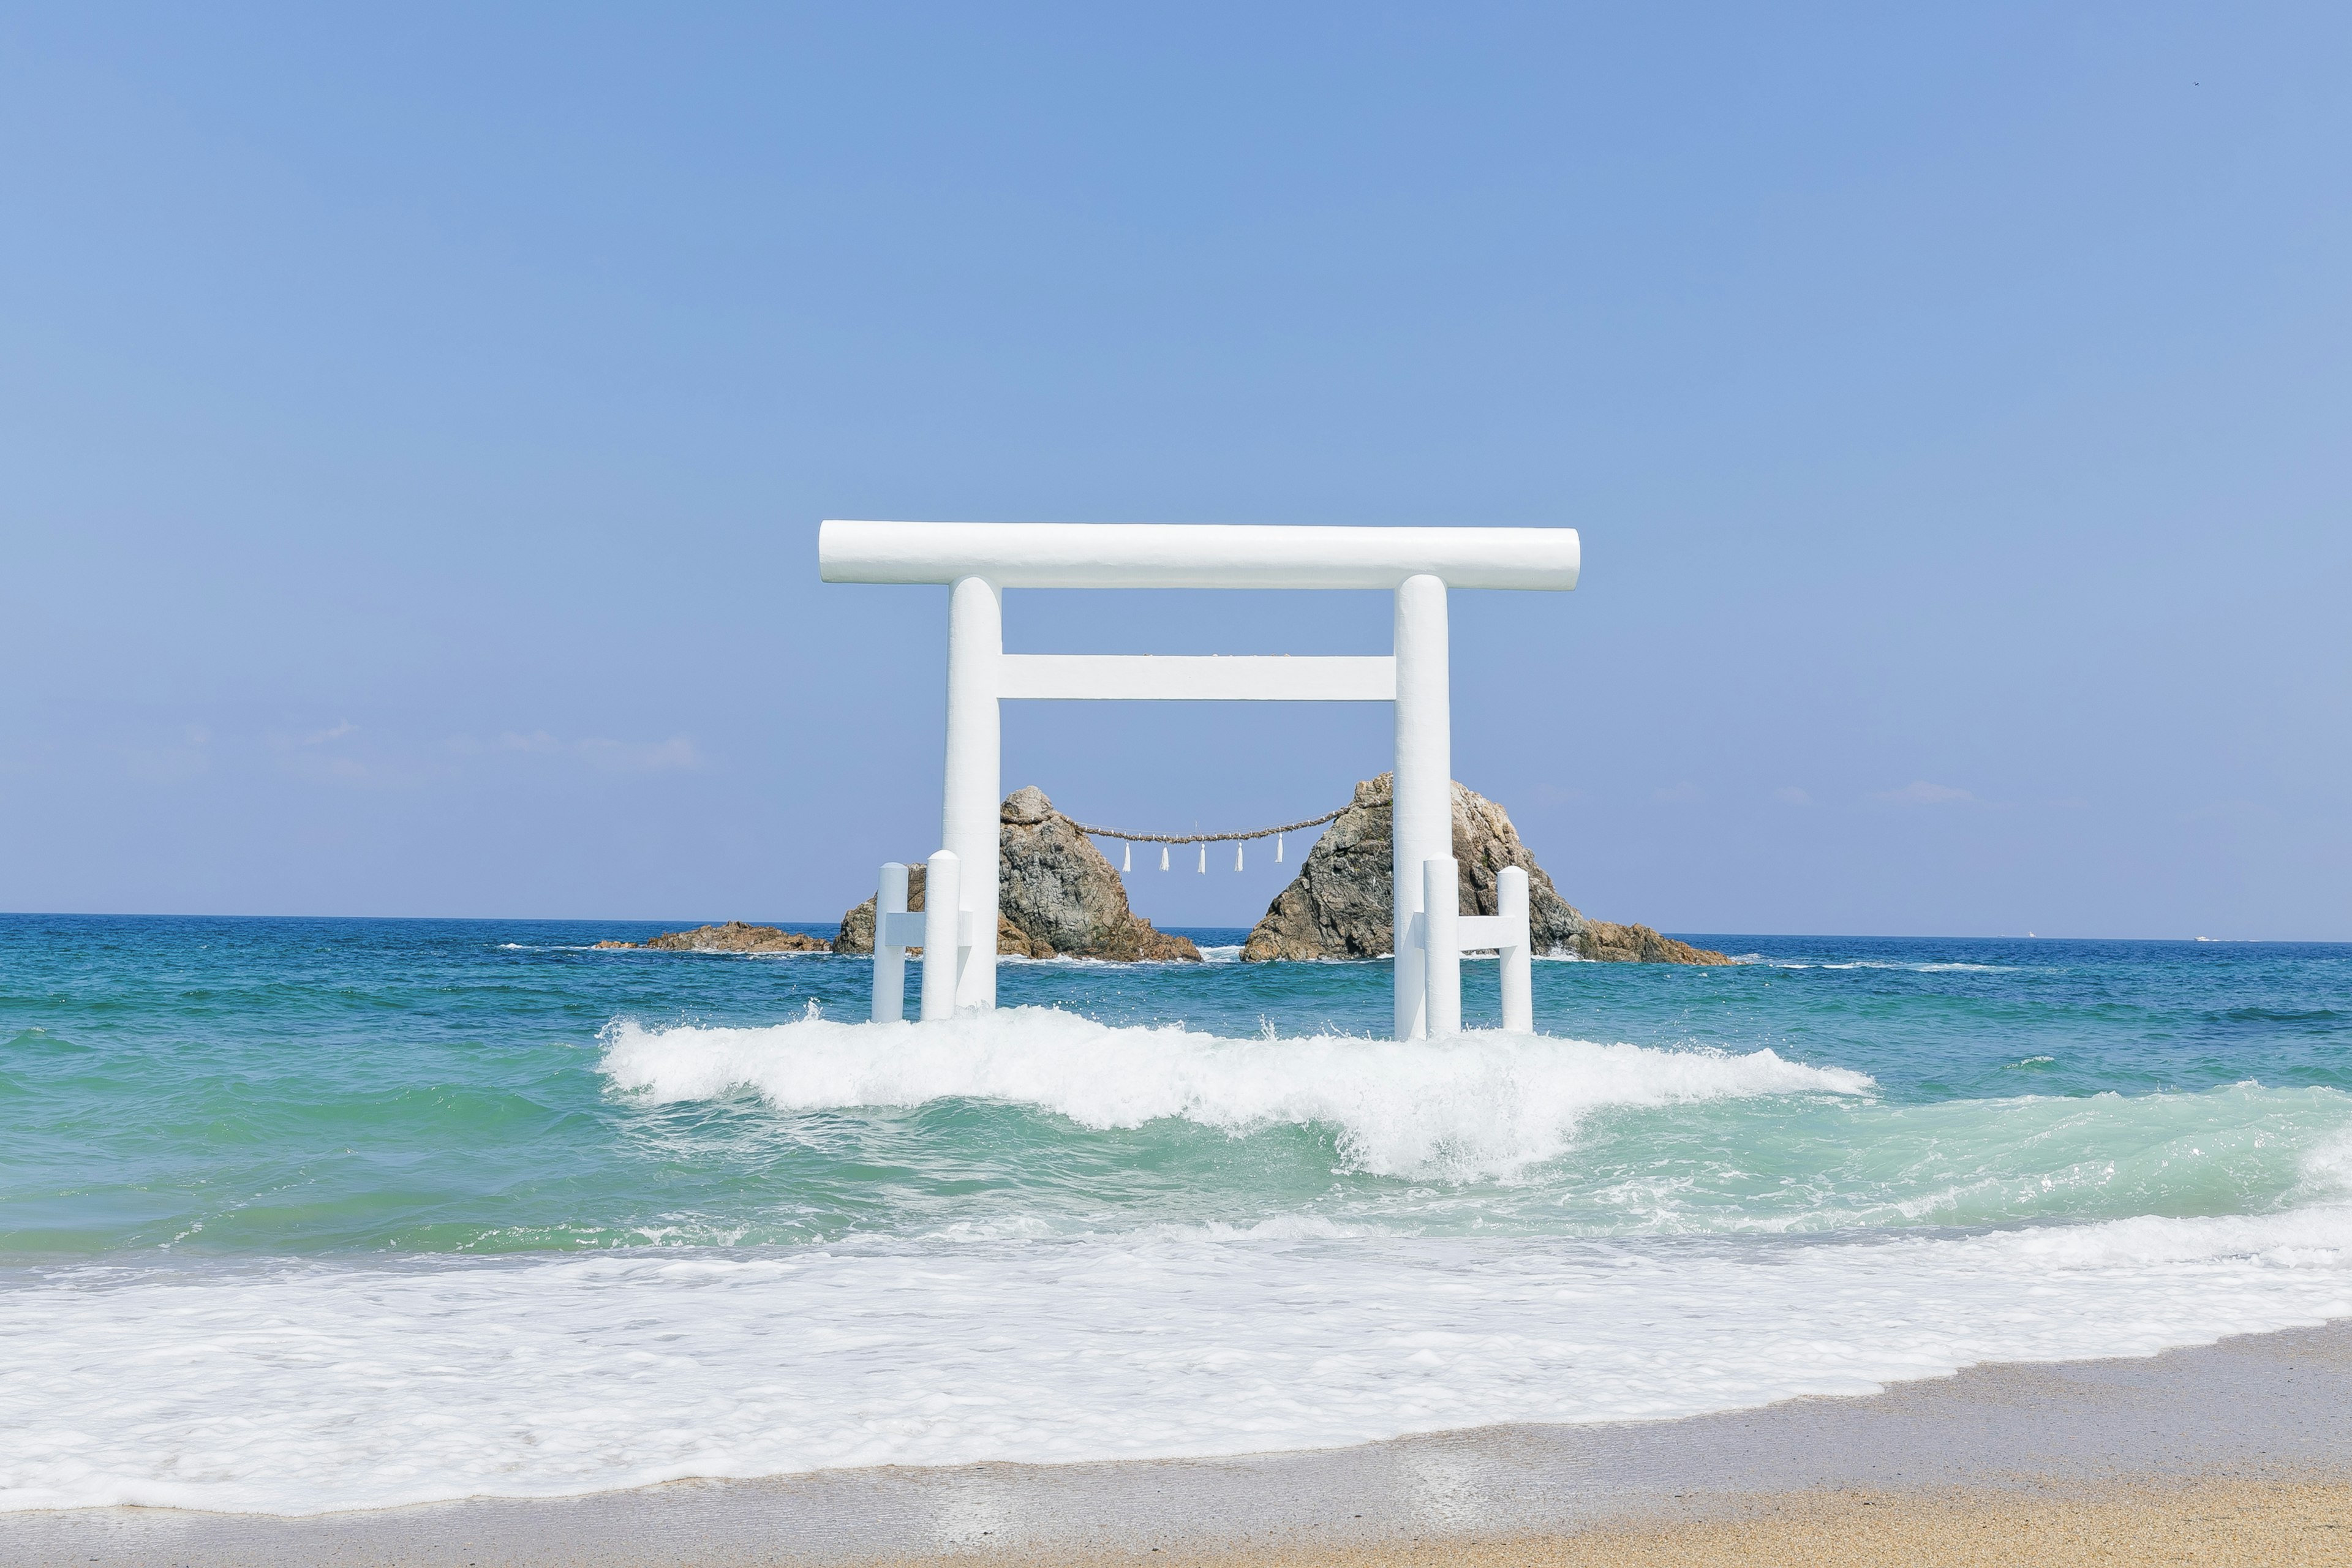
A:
x: 1484, y: 1104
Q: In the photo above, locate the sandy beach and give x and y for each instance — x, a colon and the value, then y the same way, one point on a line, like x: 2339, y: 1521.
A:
x: 2240, y: 1452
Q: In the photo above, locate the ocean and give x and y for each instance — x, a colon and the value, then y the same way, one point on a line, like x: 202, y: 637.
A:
x: 310, y: 1215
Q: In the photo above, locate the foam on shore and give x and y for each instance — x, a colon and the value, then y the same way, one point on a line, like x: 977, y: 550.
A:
x: 326, y: 1385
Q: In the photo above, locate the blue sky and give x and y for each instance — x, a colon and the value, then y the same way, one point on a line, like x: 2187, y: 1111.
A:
x: 414, y: 423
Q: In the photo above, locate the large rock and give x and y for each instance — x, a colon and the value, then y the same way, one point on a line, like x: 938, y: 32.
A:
x: 732, y: 937
x: 1339, y: 904
x: 1056, y: 895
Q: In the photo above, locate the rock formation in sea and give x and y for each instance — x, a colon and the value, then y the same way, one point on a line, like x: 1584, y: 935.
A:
x: 732, y: 937
x: 1338, y: 906
x: 1056, y: 895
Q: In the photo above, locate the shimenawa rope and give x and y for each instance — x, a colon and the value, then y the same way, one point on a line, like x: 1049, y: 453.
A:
x: 1197, y: 837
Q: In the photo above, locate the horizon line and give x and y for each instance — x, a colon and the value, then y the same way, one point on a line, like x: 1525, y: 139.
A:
x: 836, y: 922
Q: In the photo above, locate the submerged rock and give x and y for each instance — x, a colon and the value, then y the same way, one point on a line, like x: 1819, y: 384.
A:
x: 732, y: 937
x: 1339, y: 905
x: 1057, y: 896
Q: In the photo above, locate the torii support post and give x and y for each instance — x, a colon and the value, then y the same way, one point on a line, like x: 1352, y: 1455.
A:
x: 978, y: 561
x: 1442, y: 934
x: 938, y: 927
x: 889, y: 950
x: 1518, y: 958
x: 943, y: 920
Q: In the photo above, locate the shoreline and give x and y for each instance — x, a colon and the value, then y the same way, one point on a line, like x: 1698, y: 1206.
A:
x: 2253, y: 1432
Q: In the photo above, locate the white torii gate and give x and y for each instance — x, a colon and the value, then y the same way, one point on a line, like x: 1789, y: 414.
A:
x: 978, y: 561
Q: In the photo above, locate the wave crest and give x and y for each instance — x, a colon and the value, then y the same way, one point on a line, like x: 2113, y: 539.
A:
x: 1476, y: 1105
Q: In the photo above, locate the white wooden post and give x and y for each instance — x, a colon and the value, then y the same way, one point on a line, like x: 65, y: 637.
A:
x: 890, y: 960
x: 942, y: 921
x: 1441, y: 922
x: 968, y: 824
x: 1518, y: 960
x: 1420, y: 819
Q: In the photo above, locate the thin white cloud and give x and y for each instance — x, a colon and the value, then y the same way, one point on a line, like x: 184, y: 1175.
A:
x: 1919, y: 792
x: 678, y: 753
x: 298, y: 756
x: 1790, y: 795
x: 343, y: 769
x: 169, y: 764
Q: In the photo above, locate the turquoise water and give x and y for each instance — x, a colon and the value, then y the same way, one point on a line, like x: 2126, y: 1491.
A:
x: 236, y: 1150
x: 307, y: 1088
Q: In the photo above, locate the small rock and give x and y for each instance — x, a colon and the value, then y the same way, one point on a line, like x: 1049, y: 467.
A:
x: 732, y: 937
x: 1639, y: 944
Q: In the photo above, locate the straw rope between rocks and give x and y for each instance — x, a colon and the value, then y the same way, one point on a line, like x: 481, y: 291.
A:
x: 1198, y: 837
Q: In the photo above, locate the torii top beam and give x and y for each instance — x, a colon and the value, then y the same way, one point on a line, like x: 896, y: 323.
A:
x: 1194, y: 555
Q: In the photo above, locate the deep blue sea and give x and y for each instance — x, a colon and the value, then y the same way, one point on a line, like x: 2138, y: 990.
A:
x: 312, y: 1214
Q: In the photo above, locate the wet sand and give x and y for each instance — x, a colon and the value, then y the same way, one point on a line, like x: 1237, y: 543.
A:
x: 2230, y: 1453
x: 2213, y: 1524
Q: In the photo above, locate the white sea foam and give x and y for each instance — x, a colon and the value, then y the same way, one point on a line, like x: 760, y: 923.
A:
x: 337, y: 1385
x: 1914, y: 968
x: 2327, y: 1170
x: 1481, y: 1104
